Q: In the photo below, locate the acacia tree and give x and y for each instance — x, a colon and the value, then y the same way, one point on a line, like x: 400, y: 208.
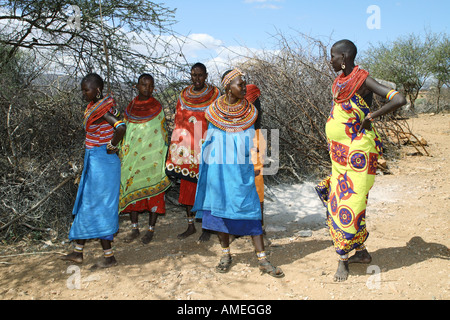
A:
x: 439, y: 64
x: 403, y: 61
x: 128, y: 36
x: 45, y: 48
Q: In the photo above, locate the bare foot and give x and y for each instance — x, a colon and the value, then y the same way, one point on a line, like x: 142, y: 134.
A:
x: 190, y: 231
x: 131, y: 236
x: 204, y: 237
x: 106, y: 263
x: 360, y: 257
x: 74, y: 257
x: 342, y: 271
x: 148, y: 236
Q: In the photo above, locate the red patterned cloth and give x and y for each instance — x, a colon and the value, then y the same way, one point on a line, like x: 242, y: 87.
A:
x: 98, y: 134
x: 95, y: 111
x: 187, y: 192
x: 154, y: 204
x: 187, y: 137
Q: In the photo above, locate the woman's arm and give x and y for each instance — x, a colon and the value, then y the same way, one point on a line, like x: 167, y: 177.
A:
x: 119, y: 131
x: 397, y: 101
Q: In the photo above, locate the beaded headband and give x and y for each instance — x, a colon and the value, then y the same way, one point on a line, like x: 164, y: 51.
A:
x: 231, y: 76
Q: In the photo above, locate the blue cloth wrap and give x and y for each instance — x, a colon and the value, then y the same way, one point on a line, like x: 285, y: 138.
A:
x: 226, y: 184
x: 96, y: 207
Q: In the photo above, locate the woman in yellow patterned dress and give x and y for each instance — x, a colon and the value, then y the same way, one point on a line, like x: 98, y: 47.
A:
x: 354, y: 147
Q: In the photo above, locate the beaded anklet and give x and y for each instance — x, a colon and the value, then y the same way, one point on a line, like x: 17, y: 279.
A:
x: 343, y: 257
x: 108, y: 253
x: 78, y: 248
x: 261, y: 255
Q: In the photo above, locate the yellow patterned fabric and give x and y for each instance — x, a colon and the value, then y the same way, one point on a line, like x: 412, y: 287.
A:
x: 354, y: 160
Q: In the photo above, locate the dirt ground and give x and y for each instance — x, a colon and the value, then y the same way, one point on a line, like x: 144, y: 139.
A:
x: 407, y: 219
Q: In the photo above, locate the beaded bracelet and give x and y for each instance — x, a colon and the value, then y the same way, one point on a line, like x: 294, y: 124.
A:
x: 369, y: 116
x: 111, y: 147
x: 391, y: 94
x: 118, y: 124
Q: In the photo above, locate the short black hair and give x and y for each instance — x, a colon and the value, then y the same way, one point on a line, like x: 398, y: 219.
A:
x: 199, y: 65
x: 348, y: 47
x: 146, y: 75
x: 95, y: 79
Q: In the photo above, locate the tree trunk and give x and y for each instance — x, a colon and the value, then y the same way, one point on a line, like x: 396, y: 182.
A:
x: 439, y: 86
x: 412, y: 100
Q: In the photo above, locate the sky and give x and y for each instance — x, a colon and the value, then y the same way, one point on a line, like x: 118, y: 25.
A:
x: 233, y: 24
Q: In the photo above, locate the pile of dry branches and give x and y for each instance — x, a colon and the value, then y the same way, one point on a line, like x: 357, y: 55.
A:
x: 41, y: 155
x: 296, y: 99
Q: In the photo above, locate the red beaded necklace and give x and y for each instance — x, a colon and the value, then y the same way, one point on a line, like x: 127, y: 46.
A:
x: 344, y: 87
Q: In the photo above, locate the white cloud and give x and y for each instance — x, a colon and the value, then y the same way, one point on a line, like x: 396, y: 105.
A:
x: 265, y: 4
x: 194, y: 44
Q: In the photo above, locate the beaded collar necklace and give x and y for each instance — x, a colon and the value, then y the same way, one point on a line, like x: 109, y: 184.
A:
x: 231, y: 117
x: 142, y: 111
x: 198, y: 100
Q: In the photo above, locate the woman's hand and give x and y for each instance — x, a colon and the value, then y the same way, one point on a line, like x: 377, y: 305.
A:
x: 110, y: 149
x: 366, y: 124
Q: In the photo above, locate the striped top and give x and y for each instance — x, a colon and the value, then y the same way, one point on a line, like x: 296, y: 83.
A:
x: 98, y: 134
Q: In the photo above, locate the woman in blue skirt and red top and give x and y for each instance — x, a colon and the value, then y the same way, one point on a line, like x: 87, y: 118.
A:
x: 96, y: 208
x: 226, y: 197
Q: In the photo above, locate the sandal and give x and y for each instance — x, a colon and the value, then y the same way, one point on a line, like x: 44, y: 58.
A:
x: 224, y: 264
x: 267, y: 267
